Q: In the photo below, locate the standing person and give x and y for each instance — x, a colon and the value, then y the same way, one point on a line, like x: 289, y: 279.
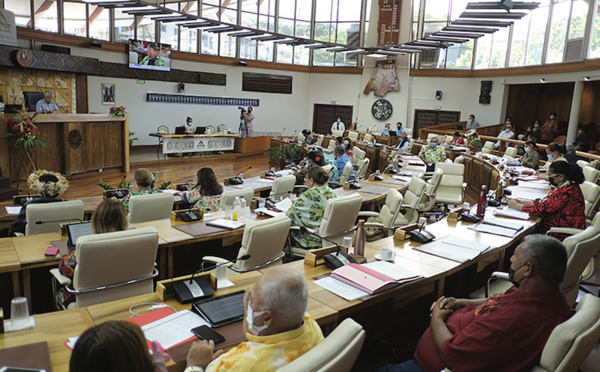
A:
x: 472, y: 123
x: 206, y: 194
x: 338, y: 125
x: 247, y: 128
x: 432, y: 154
x: 46, y: 104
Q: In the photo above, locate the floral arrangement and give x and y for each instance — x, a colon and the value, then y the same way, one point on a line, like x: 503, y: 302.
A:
x: 47, y: 188
x: 117, y: 111
x: 23, y: 133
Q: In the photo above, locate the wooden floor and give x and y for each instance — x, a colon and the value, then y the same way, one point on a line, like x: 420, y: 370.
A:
x: 174, y: 169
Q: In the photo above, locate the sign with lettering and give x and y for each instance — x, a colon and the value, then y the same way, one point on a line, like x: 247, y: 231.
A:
x: 8, y: 28
x: 174, y: 145
x: 389, y: 23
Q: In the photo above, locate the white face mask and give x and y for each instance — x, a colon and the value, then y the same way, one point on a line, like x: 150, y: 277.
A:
x: 552, y: 116
x: 250, y: 316
x: 470, y: 121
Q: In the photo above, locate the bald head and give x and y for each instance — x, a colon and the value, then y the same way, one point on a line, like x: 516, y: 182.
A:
x: 284, y: 293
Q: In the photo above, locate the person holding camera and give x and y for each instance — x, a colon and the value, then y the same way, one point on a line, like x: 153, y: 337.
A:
x: 246, y: 128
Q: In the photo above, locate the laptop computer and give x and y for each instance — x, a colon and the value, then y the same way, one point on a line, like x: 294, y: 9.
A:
x: 393, y: 133
x: 179, y: 130
x: 200, y: 130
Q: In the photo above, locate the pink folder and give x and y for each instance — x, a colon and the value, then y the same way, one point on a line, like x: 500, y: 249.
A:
x: 364, y: 278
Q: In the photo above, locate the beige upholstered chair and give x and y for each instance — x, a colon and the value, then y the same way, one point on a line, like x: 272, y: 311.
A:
x: 430, y: 136
x: 320, y: 140
x: 150, y: 207
x: 451, y: 189
x: 282, y: 186
x: 353, y: 135
x: 301, y: 137
x: 328, y: 168
x: 368, y: 137
x: 449, y: 138
x: 410, y: 145
x: 571, y: 342
x: 427, y: 202
x: 346, y: 172
x: 388, y: 213
x: 228, y: 197
x: 338, y: 220
x: 363, y: 165
x: 591, y: 174
x: 337, y: 353
x: 591, y: 194
x: 583, y: 163
x: 372, y: 129
x: 459, y: 160
x: 357, y: 155
x: 331, y: 144
x: 410, y: 204
x: 263, y: 240
x: 113, y: 266
x: 39, y: 217
x: 510, y: 152
x: 337, y: 133
x: 409, y: 131
x: 487, y: 147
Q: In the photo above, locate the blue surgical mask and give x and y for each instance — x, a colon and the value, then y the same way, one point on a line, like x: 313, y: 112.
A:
x: 433, y: 145
x: 507, y: 129
x: 470, y: 121
x: 250, y: 316
x: 552, y: 116
x: 527, y: 149
x: 550, y: 157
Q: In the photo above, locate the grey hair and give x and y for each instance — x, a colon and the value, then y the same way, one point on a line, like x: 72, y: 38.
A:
x: 339, y: 150
x: 570, y: 148
x: 286, y: 295
x: 48, y: 94
x: 548, y: 257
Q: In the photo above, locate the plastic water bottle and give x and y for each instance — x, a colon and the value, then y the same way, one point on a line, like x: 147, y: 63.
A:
x: 131, y: 190
x: 236, y: 208
x: 242, y: 215
x: 295, y: 136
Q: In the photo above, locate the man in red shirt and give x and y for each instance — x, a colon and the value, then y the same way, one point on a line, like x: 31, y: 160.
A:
x: 505, y: 332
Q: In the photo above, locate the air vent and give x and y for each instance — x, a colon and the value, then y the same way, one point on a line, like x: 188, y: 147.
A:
x: 267, y: 83
x: 573, y: 52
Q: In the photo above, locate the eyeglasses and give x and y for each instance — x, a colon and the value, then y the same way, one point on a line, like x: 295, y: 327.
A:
x: 553, y: 175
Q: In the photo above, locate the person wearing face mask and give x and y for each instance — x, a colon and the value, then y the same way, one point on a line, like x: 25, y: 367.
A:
x: 189, y: 125
x: 507, y: 133
x: 564, y: 206
x: 531, y: 158
x: 472, y: 123
x: 473, y: 141
x: 480, y: 334
x: 548, y: 130
x: 536, y: 132
x: 277, y: 327
x: 554, y: 153
x: 432, y: 154
x: 386, y: 129
x: 338, y: 125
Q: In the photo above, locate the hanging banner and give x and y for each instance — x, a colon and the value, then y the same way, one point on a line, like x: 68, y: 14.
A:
x: 8, y: 28
x: 389, y: 23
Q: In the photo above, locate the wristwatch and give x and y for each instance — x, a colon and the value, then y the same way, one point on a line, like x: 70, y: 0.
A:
x: 194, y: 369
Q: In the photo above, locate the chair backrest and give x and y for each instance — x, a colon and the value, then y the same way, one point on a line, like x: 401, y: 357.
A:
x: 410, y: 144
x: 591, y: 194
x: 31, y: 99
x: 571, y: 342
x: 337, y: 353
x: 459, y: 160
x: 162, y: 128
x: 372, y: 129
x: 428, y: 200
x: 337, y: 133
x: 581, y: 249
x: 331, y: 145
x: 357, y: 155
x: 450, y: 189
x: 412, y: 197
x: 112, y: 258
x: 320, y: 140
x: 449, y: 138
x: 328, y: 168
x: 228, y: 197
x: 431, y: 135
x: 150, y: 207
x: 37, y: 214
x: 353, y: 135
x: 488, y: 146
x: 340, y: 215
x: 222, y: 128
x: 301, y: 137
x: 582, y: 163
x: 282, y: 186
x: 368, y: 137
x: 409, y: 131
x: 263, y: 241
x: 590, y: 174
x: 346, y: 172
x: 391, y: 208
x: 210, y: 129
x: 511, y: 152
x: 363, y: 165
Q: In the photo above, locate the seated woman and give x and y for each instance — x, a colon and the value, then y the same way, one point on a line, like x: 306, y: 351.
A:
x: 49, y: 186
x: 206, y: 194
x: 564, y: 206
x: 313, y: 157
x: 346, y: 143
x: 531, y: 158
x: 309, y: 208
x: 144, y: 181
x: 473, y: 141
x: 457, y: 139
x: 110, y: 216
x: 308, y: 137
x: 116, y: 346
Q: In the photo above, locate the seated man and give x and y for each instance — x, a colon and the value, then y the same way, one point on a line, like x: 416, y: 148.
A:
x: 404, y: 141
x: 399, y: 129
x: 46, y: 104
x: 507, y: 133
x: 505, y: 332
x: 341, y: 159
x: 276, y: 324
x: 386, y: 129
x: 432, y: 154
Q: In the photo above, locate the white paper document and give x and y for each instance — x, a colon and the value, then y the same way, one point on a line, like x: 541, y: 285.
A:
x: 340, y: 288
x: 284, y: 205
x: 13, y: 211
x: 401, y: 178
x: 455, y: 249
x: 504, y: 222
x: 173, y: 329
x: 513, y: 213
x: 495, y: 230
x: 228, y: 224
x: 538, y: 185
x: 393, y: 271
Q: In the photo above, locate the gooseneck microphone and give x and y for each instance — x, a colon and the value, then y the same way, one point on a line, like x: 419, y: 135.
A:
x: 241, y: 258
x: 41, y: 222
x: 250, y: 167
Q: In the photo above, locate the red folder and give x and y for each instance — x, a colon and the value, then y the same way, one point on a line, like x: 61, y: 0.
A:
x: 364, y: 278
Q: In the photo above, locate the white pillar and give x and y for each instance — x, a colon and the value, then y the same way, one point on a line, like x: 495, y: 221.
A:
x: 575, y: 108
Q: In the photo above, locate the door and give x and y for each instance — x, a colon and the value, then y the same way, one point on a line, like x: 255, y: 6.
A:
x: 325, y: 115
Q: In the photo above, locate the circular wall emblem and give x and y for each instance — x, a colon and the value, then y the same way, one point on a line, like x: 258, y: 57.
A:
x: 24, y: 57
x: 74, y: 138
x: 382, y: 109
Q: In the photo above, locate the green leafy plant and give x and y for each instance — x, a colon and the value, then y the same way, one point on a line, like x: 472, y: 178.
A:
x: 132, y: 139
x: 289, y: 151
x: 22, y: 133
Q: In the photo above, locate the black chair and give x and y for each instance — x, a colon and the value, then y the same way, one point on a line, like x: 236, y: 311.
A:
x: 31, y: 99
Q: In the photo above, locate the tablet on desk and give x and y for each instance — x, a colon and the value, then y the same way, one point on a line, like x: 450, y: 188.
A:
x: 221, y: 310
x: 77, y: 230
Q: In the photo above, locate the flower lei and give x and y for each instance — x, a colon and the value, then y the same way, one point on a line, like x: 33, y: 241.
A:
x: 47, y: 188
x: 117, y: 111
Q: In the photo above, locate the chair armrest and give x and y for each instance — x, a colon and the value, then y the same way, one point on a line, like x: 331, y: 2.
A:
x: 406, y: 206
x: 367, y: 214
x: 297, y: 228
x: 216, y: 260
x: 18, y: 233
x: 464, y: 186
x: 500, y: 275
x: 63, y: 280
x: 374, y: 224
x: 563, y: 230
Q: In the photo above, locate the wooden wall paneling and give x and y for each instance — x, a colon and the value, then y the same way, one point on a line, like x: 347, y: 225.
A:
x: 468, y: 162
x: 76, y: 155
x: 373, y: 154
x: 48, y: 158
x: 591, y: 94
x: 81, y: 94
x: 487, y: 174
x: 113, y: 139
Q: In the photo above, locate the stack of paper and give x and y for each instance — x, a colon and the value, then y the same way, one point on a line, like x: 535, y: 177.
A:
x: 455, y: 249
x: 499, y: 226
x: 225, y: 223
x: 512, y: 213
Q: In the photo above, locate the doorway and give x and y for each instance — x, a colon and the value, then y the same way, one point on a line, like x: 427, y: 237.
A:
x: 325, y: 115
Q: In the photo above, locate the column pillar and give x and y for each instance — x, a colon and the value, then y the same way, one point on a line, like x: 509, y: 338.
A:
x: 575, y: 108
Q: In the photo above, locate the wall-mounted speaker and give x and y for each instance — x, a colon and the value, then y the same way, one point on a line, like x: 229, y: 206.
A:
x: 438, y: 95
x: 484, y: 94
x: 55, y: 49
x: 180, y: 87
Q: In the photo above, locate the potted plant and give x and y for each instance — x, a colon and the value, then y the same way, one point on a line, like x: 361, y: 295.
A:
x: 287, y: 154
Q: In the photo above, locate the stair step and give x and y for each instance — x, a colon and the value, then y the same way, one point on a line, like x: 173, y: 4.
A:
x: 6, y: 193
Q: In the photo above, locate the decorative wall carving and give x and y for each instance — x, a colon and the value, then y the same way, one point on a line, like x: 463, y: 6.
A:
x: 383, y: 79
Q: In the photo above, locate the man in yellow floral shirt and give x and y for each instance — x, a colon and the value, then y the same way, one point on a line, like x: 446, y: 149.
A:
x: 276, y: 324
x: 432, y: 154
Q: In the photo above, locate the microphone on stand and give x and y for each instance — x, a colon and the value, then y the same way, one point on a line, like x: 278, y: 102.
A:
x: 336, y: 259
x: 196, y: 289
x: 237, y: 180
x: 190, y: 215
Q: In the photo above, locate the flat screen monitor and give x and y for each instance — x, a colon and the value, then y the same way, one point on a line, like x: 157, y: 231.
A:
x: 149, y: 55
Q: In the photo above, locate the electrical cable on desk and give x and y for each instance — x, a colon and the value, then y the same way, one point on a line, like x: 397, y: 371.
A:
x: 151, y: 307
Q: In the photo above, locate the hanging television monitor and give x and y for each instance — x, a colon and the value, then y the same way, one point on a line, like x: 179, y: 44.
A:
x: 149, y: 55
